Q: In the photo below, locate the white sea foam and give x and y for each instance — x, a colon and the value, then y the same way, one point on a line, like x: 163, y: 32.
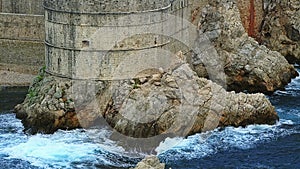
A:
x: 286, y: 122
x: 168, y: 144
x: 63, y: 148
x: 202, y: 145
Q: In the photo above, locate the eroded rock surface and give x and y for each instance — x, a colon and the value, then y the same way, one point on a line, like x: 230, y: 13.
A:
x: 151, y: 162
x: 180, y: 103
x: 248, y: 65
x: 48, y: 107
x: 281, y: 28
x: 174, y: 101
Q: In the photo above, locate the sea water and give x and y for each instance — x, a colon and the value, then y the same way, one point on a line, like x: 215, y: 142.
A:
x: 255, y: 146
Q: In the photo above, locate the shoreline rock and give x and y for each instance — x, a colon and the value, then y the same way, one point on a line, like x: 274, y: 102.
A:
x: 281, y: 28
x: 46, y: 108
x: 202, y: 104
x: 176, y: 102
x: 151, y: 162
x: 248, y: 66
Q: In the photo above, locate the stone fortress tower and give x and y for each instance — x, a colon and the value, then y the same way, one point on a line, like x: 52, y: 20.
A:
x: 91, y: 39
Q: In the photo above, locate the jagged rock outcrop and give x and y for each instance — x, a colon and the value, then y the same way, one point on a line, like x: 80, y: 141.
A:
x: 151, y: 162
x: 281, y: 28
x: 174, y: 101
x: 179, y: 102
x: 48, y: 107
x: 248, y: 65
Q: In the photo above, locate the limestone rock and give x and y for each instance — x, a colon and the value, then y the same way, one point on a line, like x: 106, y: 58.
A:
x: 196, y: 105
x: 281, y: 28
x: 44, y: 110
x: 183, y: 104
x: 252, y: 15
x: 151, y: 162
x: 248, y: 66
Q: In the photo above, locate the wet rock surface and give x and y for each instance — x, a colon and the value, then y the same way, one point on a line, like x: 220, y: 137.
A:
x: 47, y: 106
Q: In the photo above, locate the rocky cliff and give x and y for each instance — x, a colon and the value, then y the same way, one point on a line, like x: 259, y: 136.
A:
x: 281, y: 28
x: 178, y: 101
x: 248, y: 65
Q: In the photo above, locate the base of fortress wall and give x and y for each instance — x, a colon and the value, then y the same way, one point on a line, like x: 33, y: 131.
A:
x: 21, y: 56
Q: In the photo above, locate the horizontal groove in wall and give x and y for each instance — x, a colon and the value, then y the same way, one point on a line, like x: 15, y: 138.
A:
x: 108, y: 13
x: 112, y: 50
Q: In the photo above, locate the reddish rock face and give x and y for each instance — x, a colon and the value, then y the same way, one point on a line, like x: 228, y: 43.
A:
x: 252, y: 13
x: 251, y: 30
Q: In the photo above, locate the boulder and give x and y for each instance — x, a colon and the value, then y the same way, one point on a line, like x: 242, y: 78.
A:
x: 151, y: 162
x: 249, y: 66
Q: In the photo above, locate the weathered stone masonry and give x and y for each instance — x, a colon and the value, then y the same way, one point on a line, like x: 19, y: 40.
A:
x: 21, y: 35
x: 22, y: 6
x: 74, y: 49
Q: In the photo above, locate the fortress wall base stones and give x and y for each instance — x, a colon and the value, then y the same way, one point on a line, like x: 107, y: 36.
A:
x: 21, y: 42
x: 21, y: 56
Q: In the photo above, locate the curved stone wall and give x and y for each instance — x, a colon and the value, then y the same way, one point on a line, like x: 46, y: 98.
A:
x: 91, y: 39
x: 105, y: 6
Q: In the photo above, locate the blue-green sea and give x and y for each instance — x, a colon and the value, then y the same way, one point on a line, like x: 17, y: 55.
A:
x: 256, y: 146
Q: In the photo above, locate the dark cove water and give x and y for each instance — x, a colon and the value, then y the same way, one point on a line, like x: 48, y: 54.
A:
x: 10, y: 96
x: 256, y: 146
